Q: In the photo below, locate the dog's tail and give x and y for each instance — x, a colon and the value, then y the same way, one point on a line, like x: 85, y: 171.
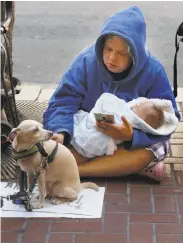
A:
x: 89, y: 185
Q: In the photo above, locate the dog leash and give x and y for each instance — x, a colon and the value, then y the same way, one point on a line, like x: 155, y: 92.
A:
x: 49, y: 158
x: 46, y: 159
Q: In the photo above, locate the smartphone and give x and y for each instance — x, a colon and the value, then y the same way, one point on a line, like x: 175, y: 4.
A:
x: 104, y: 117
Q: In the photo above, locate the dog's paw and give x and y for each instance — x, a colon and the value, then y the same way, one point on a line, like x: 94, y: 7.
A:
x: 60, y: 200
x: 38, y: 206
x: 57, y: 201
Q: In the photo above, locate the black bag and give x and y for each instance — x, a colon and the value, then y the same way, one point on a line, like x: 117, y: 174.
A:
x: 6, y: 128
x: 180, y: 34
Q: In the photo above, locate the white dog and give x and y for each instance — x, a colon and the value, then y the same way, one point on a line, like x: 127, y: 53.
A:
x: 60, y: 178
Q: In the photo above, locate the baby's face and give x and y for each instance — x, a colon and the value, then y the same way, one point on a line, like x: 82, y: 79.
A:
x: 146, y: 112
x: 142, y: 109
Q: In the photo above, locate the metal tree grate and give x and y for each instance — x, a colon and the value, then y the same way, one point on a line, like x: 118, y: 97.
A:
x: 32, y: 109
x: 26, y: 110
x: 9, y: 166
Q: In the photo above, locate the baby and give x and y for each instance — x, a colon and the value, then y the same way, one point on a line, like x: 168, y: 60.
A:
x: 151, y: 114
x: 142, y: 113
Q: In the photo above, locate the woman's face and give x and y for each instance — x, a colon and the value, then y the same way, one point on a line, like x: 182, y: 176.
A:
x: 116, y: 56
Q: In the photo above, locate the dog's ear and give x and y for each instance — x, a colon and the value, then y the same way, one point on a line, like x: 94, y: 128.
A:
x: 14, y: 132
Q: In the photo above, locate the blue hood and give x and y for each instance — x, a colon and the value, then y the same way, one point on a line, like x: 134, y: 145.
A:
x: 130, y: 25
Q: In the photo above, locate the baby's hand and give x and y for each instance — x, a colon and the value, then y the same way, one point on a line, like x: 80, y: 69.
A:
x: 59, y: 138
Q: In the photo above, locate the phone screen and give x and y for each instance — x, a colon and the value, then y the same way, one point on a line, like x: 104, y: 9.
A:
x: 104, y: 117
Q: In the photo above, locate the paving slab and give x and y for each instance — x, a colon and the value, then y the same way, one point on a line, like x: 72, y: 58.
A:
x: 180, y: 127
x: 173, y: 160
x: 179, y: 97
x: 177, y: 150
x: 29, y: 92
x: 177, y: 135
x: 46, y: 94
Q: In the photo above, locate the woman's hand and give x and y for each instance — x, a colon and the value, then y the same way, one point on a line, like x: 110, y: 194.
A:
x: 59, y: 138
x: 119, y: 132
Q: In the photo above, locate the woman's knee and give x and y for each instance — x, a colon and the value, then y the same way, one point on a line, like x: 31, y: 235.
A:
x: 142, y: 158
x: 136, y: 159
x: 146, y: 155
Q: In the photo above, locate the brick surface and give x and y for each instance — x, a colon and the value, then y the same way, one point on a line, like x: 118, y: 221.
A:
x: 61, y: 238
x: 113, y: 198
x: 115, y: 223
x: 181, y: 212
x: 167, y: 182
x: 76, y: 227
x: 9, y: 237
x: 169, y: 229
x: 34, y: 237
x: 141, y: 233
x: 35, y: 225
x: 168, y: 239
x: 116, y: 187
x: 168, y: 190
x: 180, y: 198
x: 50, y: 219
x: 164, y: 204
x: 140, y: 195
x: 180, y: 205
x: 154, y: 218
x: 13, y: 224
x: 132, y: 208
x: 101, y: 238
x: 127, y: 213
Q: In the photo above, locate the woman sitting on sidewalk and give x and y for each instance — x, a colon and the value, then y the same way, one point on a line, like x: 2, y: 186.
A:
x: 118, y: 63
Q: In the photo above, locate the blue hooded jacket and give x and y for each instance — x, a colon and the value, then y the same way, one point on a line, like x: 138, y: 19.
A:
x: 87, y: 78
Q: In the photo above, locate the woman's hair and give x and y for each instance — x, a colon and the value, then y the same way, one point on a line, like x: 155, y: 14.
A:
x: 110, y: 36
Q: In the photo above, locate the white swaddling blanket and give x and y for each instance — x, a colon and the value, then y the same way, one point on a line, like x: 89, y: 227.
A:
x: 89, y: 142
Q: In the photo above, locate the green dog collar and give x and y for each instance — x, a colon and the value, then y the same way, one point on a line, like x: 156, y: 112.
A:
x: 24, y: 153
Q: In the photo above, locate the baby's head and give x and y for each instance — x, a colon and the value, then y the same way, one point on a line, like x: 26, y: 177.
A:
x: 150, y: 113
